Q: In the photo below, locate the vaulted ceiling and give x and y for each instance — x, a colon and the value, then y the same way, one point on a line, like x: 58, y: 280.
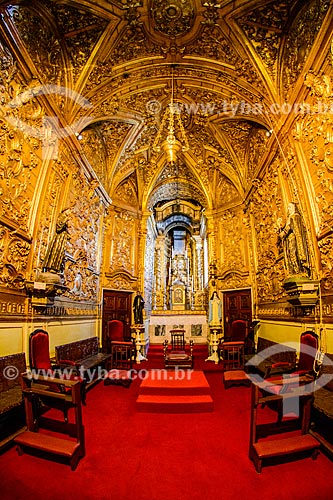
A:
x: 109, y: 67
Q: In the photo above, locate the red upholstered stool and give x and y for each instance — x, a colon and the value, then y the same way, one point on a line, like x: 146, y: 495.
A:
x: 118, y: 377
x: 236, y: 377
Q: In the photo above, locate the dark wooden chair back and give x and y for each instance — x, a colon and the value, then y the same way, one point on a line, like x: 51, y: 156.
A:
x: 177, y: 340
x: 175, y: 354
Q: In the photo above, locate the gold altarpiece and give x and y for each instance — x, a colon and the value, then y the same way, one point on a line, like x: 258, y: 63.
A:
x: 178, y: 288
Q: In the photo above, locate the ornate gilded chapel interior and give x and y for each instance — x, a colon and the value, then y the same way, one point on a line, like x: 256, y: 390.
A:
x: 165, y: 149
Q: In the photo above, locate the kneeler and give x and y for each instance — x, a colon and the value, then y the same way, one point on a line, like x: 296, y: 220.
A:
x: 294, y: 428
x: 58, y: 443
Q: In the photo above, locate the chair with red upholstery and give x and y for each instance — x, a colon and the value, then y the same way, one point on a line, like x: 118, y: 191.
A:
x: 122, y: 353
x: 115, y: 331
x: 305, y: 364
x: 178, y: 356
x: 232, y: 350
x: 40, y: 363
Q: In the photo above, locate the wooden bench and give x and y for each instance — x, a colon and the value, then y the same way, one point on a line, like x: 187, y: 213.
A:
x: 12, y: 417
x: 87, y: 358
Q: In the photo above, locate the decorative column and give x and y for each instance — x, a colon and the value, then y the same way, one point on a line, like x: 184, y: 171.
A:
x: 198, y: 273
x: 159, y: 279
x: 211, y: 238
x: 142, y: 234
x: 138, y: 336
x: 215, y: 336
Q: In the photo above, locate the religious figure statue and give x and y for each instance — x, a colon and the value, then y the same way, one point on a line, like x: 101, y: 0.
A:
x: 77, y: 284
x: 138, y: 306
x: 179, y: 270
x: 54, y: 258
x: 215, y: 309
x: 294, y: 243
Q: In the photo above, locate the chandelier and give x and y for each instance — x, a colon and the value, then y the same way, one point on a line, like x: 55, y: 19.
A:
x: 166, y: 138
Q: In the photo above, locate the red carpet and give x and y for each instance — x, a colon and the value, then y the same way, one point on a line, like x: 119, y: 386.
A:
x: 174, y: 391
x: 154, y: 456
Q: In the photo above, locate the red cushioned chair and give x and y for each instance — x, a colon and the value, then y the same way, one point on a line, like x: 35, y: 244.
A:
x: 116, y: 335
x: 115, y: 331
x: 232, y: 351
x: 232, y: 355
x: 40, y: 363
x: 122, y: 354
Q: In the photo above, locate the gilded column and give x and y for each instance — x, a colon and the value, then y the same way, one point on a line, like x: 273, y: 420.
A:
x: 142, y: 235
x: 159, y: 273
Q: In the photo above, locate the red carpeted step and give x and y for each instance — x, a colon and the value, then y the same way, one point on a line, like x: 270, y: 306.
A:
x: 174, y: 391
x: 175, y: 382
x: 174, y: 404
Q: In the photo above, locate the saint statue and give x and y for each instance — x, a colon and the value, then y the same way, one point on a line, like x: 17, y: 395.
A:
x: 215, y: 310
x: 294, y: 243
x: 138, y: 306
x: 54, y: 258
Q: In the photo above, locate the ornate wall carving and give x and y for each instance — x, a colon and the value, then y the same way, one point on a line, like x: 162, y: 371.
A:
x: 123, y: 242
x: 300, y: 40
x: 81, y: 32
x: 94, y: 148
x: 126, y: 192
x: 313, y: 132
x: 121, y: 65
x: 264, y: 27
x: 14, y: 253
x: 264, y: 209
x: 20, y: 153
x: 232, y: 243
